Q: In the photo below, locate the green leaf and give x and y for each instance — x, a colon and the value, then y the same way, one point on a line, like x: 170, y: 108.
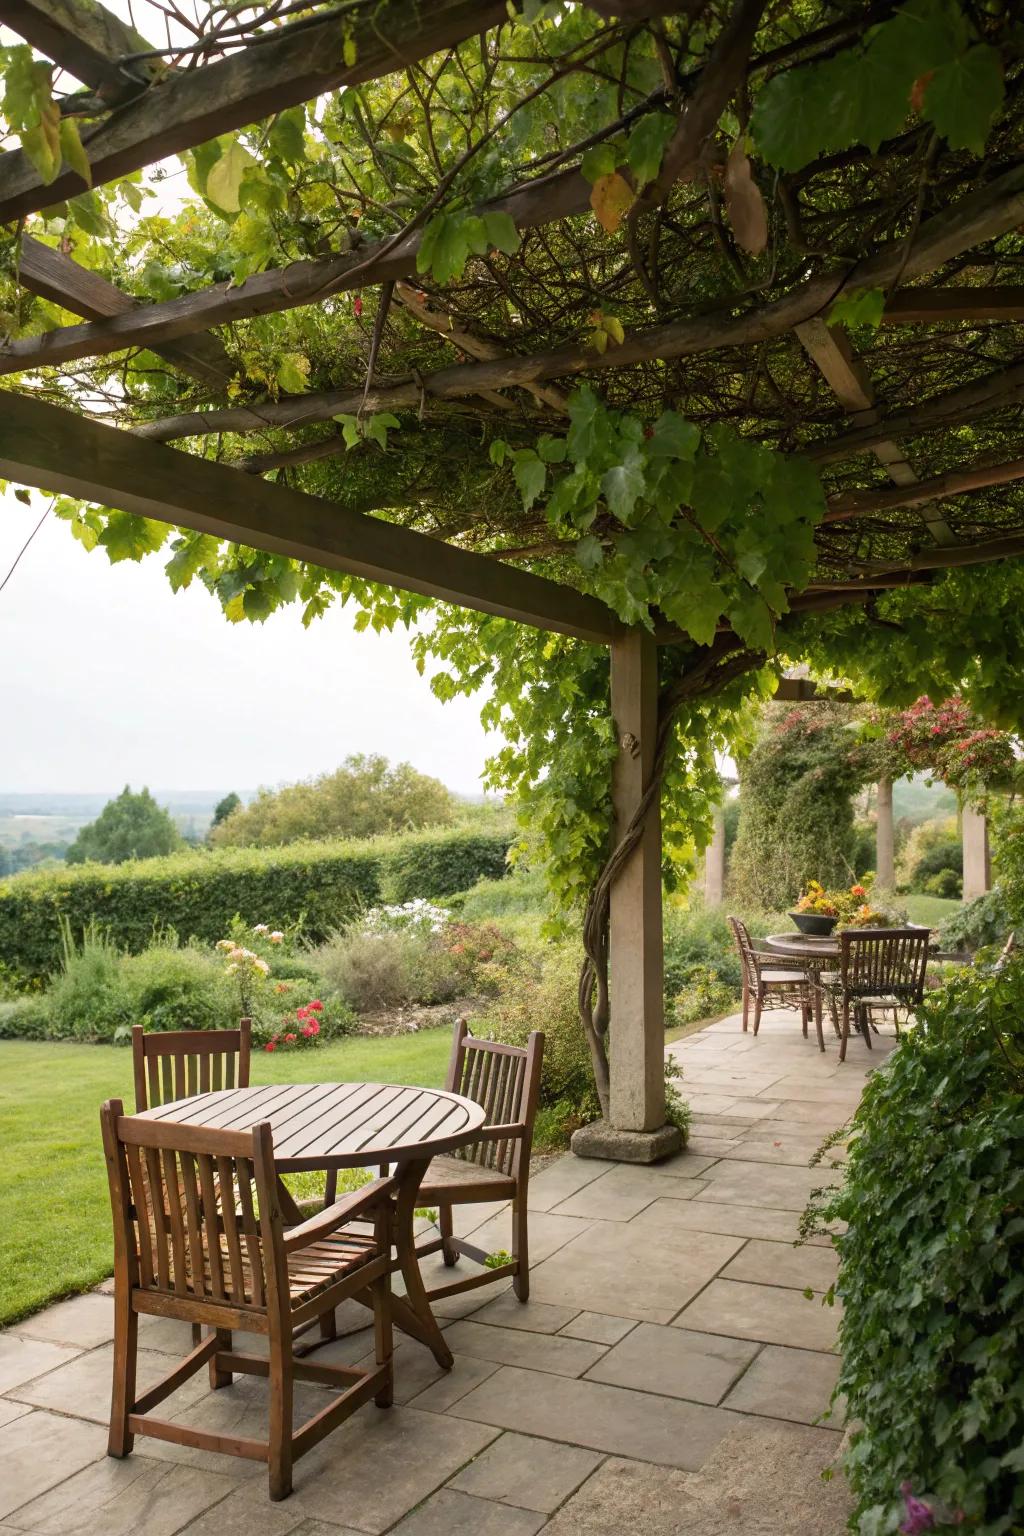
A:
x: 673, y: 437
x: 502, y: 233
x: 589, y: 553
x: 646, y: 146
x: 193, y: 553
x: 497, y: 451
x: 599, y: 160
x: 225, y: 177
x: 350, y: 430
x: 864, y: 307
x: 71, y: 149
x: 964, y: 96
x: 552, y: 449
x: 376, y: 427
x: 530, y: 474
x: 287, y: 138
x: 293, y: 373
x: 623, y: 485
x: 586, y: 415
x: 129, y: 537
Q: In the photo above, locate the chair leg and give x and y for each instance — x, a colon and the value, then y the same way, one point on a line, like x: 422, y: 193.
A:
x: 846, y: 1029
x: 122, y: 1400
x: 279, y: 1438
x: 449, y: 1252
x: 746, y: 1005
x: 865, y: 1027
x: 383, y: 1338
x: 521, y: 1247
x: 804, y: 1011
x: 758, y: 1005
x: 329, y: 1325
x: 220, y: 1377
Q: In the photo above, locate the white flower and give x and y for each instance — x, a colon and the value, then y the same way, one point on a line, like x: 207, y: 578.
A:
x: 262, y: 967
x: 262, y: 928
x: 277, y: 937
x: 225, y: 944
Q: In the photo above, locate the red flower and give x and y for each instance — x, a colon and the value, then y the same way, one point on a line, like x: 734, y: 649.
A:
x: 271, y: 1045
x: 312, y: 1028
x: 288, y: 1039
x: 300, y: 1013
x: 357, y: 307
x: 315, y: 1007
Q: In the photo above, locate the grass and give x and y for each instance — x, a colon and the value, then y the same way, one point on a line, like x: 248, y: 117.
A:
x: 54, y: 1206
x: 932, y: 910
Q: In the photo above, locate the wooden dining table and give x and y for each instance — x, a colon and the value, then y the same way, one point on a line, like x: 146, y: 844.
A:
x: 816, y: 953
x: 352, y: 1125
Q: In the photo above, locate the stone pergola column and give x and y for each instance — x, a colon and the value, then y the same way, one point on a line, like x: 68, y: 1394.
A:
x: 977, y: 857
x: 714, y: 861
x: 635, y: 1130
x: 885, y: 843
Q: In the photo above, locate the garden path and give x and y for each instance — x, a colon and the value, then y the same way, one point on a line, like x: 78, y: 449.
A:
x: 667, y: 1375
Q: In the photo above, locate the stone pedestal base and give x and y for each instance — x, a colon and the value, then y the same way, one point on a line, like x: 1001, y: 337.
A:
x: 603, y: 1140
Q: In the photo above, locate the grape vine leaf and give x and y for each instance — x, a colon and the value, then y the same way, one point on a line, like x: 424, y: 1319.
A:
x: 645, y: 149
x: 128, y: 536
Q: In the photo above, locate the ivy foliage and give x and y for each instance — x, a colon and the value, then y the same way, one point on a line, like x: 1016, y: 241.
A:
x: 932, y: 1268
x: 796, y: 811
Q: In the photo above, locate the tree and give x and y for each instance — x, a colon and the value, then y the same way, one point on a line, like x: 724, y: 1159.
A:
x: 132, y: 826
x: 364, y: 797
x: 223, y: 809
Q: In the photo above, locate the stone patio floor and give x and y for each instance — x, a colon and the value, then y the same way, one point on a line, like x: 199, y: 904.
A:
x: 667, y: 1375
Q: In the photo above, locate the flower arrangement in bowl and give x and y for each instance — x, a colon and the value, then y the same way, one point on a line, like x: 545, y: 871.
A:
x: 817, y: 911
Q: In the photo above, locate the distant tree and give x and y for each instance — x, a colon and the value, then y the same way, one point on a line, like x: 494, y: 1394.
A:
x: 222, y: 810
x: 363, y: 797
x: 130, y: 827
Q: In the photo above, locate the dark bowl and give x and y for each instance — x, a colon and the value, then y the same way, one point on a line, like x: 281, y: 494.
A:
x: 814, y: 922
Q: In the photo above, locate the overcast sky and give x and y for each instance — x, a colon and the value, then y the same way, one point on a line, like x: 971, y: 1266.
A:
x: 108, y: 677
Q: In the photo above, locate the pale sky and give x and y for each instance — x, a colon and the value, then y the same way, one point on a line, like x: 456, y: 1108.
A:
x: 108, y: 678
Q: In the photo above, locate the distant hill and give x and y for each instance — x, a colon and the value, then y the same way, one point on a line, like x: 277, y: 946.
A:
x: 46, y: 818
x: 916, y: 800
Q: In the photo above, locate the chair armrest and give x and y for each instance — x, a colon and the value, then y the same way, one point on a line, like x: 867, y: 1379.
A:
x: 349, y: 1209
x: 501, y: 1132
x: 773, y: 961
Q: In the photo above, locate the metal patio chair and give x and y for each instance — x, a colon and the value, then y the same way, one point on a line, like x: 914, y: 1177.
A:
x: 767, y: 983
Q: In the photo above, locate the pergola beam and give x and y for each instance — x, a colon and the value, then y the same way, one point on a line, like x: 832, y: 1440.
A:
x: 864, y: 503
x: 59, y: 450
x: 925, y: 306
x: 304, y: 61
x: 978, y: 217
x: 828, y: 346
x: 85, y: 39
x: 62, y: 281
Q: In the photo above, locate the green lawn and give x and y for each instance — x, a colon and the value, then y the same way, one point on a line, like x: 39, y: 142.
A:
x: 54, y: 1207
x: 932, y: 910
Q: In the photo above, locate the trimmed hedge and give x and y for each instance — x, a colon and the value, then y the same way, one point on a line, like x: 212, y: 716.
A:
x: 318, y: 885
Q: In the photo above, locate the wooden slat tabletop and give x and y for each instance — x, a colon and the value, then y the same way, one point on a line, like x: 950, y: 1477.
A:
x: 336, y: 1125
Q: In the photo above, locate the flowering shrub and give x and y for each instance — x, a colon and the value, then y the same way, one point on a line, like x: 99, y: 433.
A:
x: 419, y: 916
x: 247, y: 969
x: 951, y: 742
x: 931, y: 1269
x: 299, y: 1030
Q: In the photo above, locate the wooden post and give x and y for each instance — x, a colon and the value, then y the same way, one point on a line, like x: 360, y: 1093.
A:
x: 885, y: 845
x: 637, y: 1043
x: 977, y: 859
x: 714, y: 862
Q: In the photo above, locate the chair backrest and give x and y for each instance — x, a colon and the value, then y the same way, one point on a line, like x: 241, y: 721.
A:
x: 505, y: 1080
x: 174, y: 1064
x: 751, y: 972
x: 185, y: 1216
x: 885, y: 961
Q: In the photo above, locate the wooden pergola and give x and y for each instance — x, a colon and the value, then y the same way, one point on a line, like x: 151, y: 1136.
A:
x: 950, y: 301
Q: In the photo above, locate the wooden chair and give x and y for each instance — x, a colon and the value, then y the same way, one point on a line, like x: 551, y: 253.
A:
x: 879, y: 969
x: 768, y: 984
x: 175, y: 1064
x: 505, y: 1079
x: 232, y: 1265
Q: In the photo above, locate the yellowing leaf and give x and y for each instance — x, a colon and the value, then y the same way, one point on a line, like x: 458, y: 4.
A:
x: 350, y: 51
x: 744, y: 202
x: 71, y: 149
x: 41, y: 143
x: 611, y: 198
x: 600, y: 341
x: 234, y: 611
x: 614, y: 328
x: 225, y: 177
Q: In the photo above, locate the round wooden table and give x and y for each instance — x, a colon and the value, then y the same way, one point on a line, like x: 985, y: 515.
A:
x: 351, y: 1125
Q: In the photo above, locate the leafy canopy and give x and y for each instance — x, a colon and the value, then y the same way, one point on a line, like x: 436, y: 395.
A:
x: 132, y: 826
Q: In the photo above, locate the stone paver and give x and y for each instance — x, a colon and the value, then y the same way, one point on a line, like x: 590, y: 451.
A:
x: 531, y: 1473
x: 788, y: 1384
x: 675, y: 1362
x: 612, y: 1268
x: 768, y: 1313
x: 666, y: 1376
x: 603, y: 1418
x: 460, y: 1514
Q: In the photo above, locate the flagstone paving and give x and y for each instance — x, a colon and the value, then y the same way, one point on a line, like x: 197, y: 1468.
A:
x: 668, y: 1377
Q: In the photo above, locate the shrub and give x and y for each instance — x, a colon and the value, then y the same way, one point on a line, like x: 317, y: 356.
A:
x: 932, y: 1267
x: 541, y: 992
x: 435, y: 864
x: 933, y: 846
x: 701, y: 936
x: 316, y: 885
x: 370, y: 970
x: 510, y: 896
x: 88, y: 999
x: 24, y: 1018
x: 178, y: 988
x: 982, y: 921
x: 945, y: 883
x: 703, y: 995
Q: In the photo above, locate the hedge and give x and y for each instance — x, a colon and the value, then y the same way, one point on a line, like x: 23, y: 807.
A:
x: 316, y: 884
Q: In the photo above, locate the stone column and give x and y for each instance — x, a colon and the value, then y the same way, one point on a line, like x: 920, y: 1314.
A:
x: 714, y: 862
x: 977, y: 860
x: 885, y: 844
x: 636, y: 1130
